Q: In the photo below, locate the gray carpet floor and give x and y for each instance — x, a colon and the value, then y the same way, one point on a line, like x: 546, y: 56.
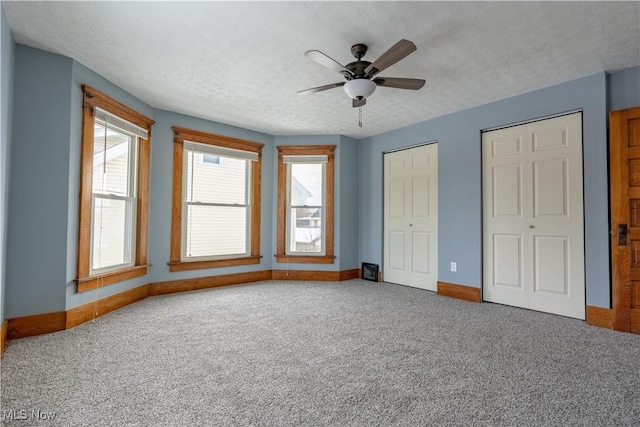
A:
x: 310, y: 353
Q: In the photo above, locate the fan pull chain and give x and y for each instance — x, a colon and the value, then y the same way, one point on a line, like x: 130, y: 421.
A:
x: 360, y: 118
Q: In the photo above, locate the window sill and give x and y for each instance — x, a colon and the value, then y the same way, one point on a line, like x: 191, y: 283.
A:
x: 197, y: 265
x: 305, y: 259
x: 89, y: 283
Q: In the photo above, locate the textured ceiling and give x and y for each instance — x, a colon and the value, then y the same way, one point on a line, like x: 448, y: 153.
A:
x: 242, y: 63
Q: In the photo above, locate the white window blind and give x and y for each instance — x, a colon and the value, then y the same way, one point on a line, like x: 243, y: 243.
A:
x: 321, y: 158
x: 221, y: 151
x: 216, y: 202
x: 119, y: 122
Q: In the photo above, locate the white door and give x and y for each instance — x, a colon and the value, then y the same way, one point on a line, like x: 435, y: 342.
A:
x: 533, y: 227
x: 411, y: 217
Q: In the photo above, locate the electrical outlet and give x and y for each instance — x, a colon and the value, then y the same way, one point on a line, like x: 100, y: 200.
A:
x: 454, y: 266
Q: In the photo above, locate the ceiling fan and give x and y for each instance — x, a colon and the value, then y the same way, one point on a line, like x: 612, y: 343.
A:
x: 360, y: 75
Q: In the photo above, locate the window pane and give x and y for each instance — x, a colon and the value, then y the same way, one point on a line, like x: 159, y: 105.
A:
x: 111, y: 232
x: 211, y: 158
x: 306, y: 184
x: 216, y: 230
x: 208, y: 182
x: 306, y: 230
x: 111, y: 157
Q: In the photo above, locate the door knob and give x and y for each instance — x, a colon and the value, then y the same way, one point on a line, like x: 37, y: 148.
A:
x: 531, y: 226
x: 410, y: 225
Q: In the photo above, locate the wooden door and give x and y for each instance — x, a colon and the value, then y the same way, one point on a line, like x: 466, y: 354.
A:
x: 624, y: 128
x: 533, y: 216
x: 411, y: 217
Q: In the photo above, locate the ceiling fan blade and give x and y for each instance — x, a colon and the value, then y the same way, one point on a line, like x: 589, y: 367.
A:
x: 399, y: 83
x: 359, y: 102
x: 320, y: 88
x: 328, y: 62
x: 397, y: 52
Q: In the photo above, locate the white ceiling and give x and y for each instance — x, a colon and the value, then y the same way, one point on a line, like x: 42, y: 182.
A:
x: 242, y: 63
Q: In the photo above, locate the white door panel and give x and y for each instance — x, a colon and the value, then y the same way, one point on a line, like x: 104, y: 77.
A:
x: 396, y: 198
x: 550, y: 187
x: 410, y: 211
x: 550, y: 263
x: 420, y: 252
x: 507, y: 190
x: 420, y: 193
x: 533, y: 237
x: 397, y: 253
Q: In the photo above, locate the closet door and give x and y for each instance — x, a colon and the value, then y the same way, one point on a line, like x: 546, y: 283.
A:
x: 411, y: 217
x: 624, y: 128
x: 533, y: 232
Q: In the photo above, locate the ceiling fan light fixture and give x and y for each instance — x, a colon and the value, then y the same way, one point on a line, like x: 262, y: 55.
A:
x: 359, y: 88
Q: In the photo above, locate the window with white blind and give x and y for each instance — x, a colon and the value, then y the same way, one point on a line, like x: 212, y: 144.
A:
x: 216, y: 216
x: 114, y: 186
x: 216, y: 201
x: 114, y: 192
x: 305, y: 200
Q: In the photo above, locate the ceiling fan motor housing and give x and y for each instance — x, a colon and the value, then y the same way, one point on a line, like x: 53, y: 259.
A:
x: 359, y: 50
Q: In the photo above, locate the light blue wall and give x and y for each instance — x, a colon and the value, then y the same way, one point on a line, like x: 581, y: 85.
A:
x: 623, y: 89
x: 349, y: 213
x: 459, y: 192
x: 39, y: 176
x: 161, y: 194
x: 6, y: 98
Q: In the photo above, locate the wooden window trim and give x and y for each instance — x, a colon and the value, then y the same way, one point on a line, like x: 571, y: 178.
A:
x: 180, y: 136
x: 302, y: 150
x: 94, y: 98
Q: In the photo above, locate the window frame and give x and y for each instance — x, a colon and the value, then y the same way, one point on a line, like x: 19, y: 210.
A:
x: 328, y: 209
x: 182, y: 135
x: 87, y: 278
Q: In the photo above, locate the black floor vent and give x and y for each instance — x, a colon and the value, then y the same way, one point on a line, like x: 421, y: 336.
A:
x: 370, y: 271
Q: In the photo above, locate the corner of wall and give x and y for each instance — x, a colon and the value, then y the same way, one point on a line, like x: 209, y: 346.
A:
x: 36, y: 265
x: 6, y: 112
x: 623, y: 89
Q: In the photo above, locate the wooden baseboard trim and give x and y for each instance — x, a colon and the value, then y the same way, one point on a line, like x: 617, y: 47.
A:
x: 453, y: 290
x: 173, y: 286
x: 37, y: 324
x: 350, y: 274
x: 3, y: 336
x: 52, y: 322
x: 312, y: 275
x: 598, y: 316
x: 90, y: 311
